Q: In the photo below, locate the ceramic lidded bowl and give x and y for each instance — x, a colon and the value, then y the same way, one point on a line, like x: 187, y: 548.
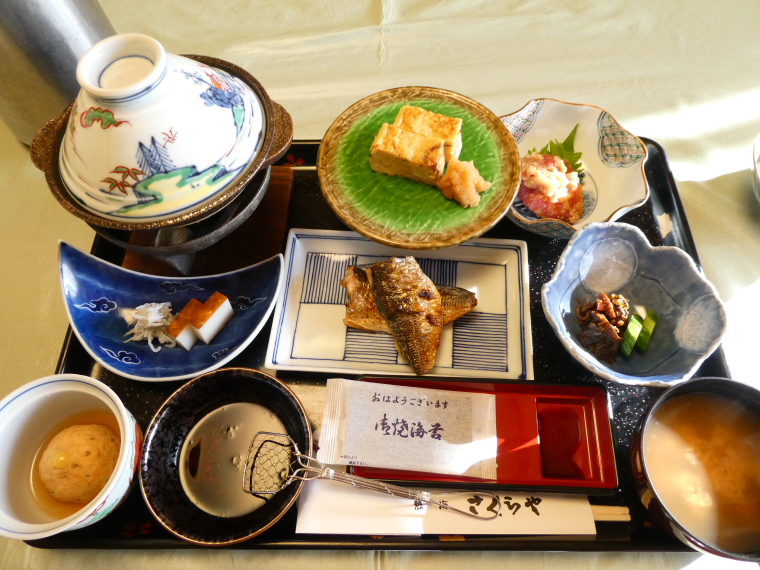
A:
x: 31, y: 415
x: 612, y: 158
x: 617, y: 258
x: 156, y: 139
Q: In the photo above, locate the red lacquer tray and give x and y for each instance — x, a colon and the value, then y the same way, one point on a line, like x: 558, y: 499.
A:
x: 554, y: 438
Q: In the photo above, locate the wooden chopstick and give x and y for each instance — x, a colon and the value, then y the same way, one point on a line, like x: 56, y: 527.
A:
x: 610, y: 513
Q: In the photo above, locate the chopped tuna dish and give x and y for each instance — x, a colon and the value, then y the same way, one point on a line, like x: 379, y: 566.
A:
x: 552, y: 185
x: 551, y: 189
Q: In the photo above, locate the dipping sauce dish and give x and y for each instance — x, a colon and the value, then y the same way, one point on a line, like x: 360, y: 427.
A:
x: 177, y: 429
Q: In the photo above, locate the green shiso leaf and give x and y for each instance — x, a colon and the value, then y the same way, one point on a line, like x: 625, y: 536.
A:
x: 565, y: 150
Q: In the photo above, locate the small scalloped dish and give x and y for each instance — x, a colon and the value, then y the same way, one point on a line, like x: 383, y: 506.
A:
x: 617, y: 258
x: 613, y: 162
x: 95, y: 291
x: 404, y: 213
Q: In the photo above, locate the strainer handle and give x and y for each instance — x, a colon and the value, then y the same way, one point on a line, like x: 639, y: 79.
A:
x: 403, y: 492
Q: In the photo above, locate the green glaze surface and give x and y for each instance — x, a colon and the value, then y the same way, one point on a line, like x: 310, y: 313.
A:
x: 402, y: 205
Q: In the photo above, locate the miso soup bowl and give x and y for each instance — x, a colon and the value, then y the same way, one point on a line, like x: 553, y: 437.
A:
x: 28, y: 415
x: 657, y: 505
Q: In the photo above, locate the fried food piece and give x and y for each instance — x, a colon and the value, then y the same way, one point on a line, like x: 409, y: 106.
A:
x: 403, y: 153
x: 78, y: 462
x: 434, y: 125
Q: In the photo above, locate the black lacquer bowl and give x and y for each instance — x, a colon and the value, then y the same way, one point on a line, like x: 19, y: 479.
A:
x: 160, y: 468
x: 740, y: 537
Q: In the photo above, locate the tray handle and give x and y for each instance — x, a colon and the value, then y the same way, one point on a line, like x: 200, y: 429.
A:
x: 282, y: 125
x: 44, y: 147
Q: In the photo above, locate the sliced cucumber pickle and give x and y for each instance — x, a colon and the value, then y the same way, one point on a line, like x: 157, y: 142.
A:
x: 646, y: 330
x: 632, y: 332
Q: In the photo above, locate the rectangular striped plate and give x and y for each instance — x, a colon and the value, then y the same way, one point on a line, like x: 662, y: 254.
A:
x: 493, y: 341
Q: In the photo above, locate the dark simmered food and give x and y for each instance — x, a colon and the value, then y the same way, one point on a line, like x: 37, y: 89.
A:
x: 603, y: 323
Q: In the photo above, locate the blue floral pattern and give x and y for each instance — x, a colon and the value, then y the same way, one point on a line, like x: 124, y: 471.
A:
x: 172, y: 287
x: 122, y: 356
x: 219, y: 354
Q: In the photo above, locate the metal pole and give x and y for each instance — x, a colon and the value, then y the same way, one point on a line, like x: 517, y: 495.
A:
x: 41, y: 42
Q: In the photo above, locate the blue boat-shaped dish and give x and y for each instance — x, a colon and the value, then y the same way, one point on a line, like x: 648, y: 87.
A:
x: 94, y: 291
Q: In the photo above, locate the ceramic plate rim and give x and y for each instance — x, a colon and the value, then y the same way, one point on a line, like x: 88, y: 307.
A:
x: 585, y: 358
x: 618, y: 211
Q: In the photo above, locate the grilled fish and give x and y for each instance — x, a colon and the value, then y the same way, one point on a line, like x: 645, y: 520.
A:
x: 456, y: 302
x: 411, y: 304
x: 361, y: 308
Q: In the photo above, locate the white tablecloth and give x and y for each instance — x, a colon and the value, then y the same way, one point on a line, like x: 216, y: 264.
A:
x: 681, y: 73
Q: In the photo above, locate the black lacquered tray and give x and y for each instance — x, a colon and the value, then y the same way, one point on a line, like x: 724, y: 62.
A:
x: 133, y: 526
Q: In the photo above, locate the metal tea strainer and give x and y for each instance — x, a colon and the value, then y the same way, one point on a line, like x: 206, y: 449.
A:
x: 274, y: 462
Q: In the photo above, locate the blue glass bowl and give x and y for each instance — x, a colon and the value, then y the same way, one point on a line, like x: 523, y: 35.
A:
x: 94, y: 291
x: 617, y: 258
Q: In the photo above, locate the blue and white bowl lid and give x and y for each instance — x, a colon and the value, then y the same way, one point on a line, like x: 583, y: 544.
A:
x: 152, y: 135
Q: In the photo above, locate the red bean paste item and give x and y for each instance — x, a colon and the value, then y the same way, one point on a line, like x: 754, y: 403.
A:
x: 603, y: 323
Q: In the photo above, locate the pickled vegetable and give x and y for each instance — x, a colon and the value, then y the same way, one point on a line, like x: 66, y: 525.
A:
x: 646, y: 330
x: 632, y: 332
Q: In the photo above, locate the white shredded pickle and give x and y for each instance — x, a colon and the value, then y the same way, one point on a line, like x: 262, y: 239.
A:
x: 150, y: 321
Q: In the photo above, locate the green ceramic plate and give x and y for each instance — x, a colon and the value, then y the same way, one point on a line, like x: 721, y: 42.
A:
x: 404, y: 213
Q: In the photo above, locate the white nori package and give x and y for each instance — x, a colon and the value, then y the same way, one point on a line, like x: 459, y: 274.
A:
x: 414, y: 429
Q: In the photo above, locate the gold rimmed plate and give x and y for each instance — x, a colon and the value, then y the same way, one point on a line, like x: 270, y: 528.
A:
x: 403, y: 213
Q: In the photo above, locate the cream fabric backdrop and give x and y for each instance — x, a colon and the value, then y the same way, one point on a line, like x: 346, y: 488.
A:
x: 682, y: 73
